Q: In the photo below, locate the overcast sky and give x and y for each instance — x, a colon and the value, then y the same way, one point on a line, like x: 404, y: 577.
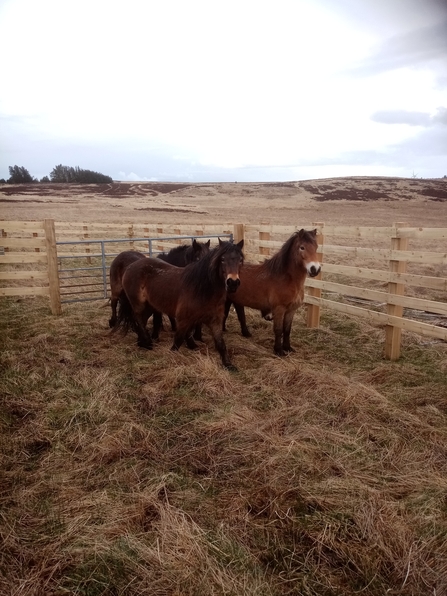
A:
x: 214, y: 90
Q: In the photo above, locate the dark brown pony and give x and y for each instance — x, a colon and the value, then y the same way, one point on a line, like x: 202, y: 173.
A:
x: 276, y: 286
x: 179, y: 256
x: 192, y: 295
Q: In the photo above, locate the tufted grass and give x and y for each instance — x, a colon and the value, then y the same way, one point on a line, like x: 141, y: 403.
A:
x: 131, y: 472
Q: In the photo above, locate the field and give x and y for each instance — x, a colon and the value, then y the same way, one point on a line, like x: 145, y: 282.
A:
x: 131, y: 472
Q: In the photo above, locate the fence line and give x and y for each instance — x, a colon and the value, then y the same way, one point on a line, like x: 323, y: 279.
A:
x: 351, y: 258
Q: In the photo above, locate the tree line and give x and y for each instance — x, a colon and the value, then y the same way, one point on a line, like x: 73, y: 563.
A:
x: 60, y: 173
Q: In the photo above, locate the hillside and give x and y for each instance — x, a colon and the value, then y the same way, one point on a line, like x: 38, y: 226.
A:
x: 352, y: 201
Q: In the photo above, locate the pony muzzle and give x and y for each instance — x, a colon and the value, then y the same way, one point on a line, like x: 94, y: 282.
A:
x: 232, y: 283
x: 313, y: 269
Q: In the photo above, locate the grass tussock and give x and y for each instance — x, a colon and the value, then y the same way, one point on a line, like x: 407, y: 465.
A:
x: 131, y: 472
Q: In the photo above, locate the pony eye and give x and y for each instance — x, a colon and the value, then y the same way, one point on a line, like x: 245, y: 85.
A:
x: 302, y: 247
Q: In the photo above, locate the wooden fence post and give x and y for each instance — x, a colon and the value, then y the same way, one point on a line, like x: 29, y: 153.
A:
x: 53, y: 272
x: 393, y: 334
x: 5, y: 235
x: 264, y: 236
x: 313, y: 310
x: 87, y: 246
x: 238, y: 233
x: 158, y: 246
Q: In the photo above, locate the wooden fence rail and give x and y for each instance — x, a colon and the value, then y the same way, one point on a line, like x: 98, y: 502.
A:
x: 390, y: 282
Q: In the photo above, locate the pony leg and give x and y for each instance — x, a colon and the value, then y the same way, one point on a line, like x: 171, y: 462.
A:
x: 183, y: 333
x: 219, y: 342
x: 191, y: 344
x: 113, y: 319
x: 240, y: 311
x: 157, y: 325
x: 228, y: 304
x: 140, y: 318
x: 198, y: 332
x: 144, y: 339
x: 287, y: 327
x: 173, y: 323
x: 278, y: 327
x: 179, y: 337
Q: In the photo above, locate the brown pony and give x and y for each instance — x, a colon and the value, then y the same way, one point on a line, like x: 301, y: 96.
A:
x: 192, y: 295
x: 276, y: 286
x: 179, y: 255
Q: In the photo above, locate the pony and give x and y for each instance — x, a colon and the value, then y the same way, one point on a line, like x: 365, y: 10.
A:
x: 276, y: 286
x: 193, y: 295
x: 184, y: 254
x: 179, y: 256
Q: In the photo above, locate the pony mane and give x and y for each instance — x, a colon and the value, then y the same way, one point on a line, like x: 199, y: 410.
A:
x: 279, y: 262
x: 182, y: 248
x: 204, y: 276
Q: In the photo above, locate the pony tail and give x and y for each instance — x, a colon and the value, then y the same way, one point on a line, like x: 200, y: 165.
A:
x: 125, y: 318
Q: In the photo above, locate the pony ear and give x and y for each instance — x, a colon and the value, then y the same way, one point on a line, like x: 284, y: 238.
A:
x: 314, y: 232
x: 301, y: 233
x: 240, y: 244
x: 207, y: 243
x: 194, y: 243
x: 220, y: 242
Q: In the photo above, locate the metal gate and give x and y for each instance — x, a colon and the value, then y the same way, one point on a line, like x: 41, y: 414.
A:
x: 84, y: 271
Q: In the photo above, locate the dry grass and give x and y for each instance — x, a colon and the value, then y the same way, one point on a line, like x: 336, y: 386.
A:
x: 128, y: 472
x: 365, y: 201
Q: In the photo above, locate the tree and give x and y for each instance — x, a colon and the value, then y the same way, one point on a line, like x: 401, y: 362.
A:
x: 19, y: 175
x: 66, y: 174
x: 61, y: 173
x: 45, y: 179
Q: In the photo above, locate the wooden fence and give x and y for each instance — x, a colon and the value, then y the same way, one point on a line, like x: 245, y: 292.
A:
x: 369, y: 272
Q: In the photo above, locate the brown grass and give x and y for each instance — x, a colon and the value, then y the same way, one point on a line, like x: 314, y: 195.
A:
x: 370, y: 201
x: 133, y: 472
x: 126, y: 472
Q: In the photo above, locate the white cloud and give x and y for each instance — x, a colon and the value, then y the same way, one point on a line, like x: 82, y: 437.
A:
x: 132, y: 177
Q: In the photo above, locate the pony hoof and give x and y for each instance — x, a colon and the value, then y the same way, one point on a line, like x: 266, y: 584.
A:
x: 144, y: 344
x: 246, y: 333
x: 231, y: 368
x: 288, y: 350
x: 279, y: 353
